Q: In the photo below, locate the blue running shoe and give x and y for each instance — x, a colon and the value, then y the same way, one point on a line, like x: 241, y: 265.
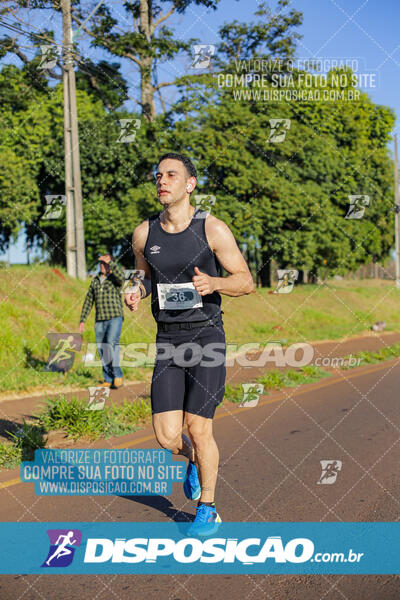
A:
x: 206, y: 521
x: 191, y: 485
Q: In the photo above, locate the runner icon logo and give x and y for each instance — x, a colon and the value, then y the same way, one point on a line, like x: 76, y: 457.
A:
x: 97, y: 397
x: 358, y: 203
x: 63, y: 543
x: 204, y: 203
x: 63, y: 347
x: 50, y: 55
x: 251, y: 393
x: 330, y: 470
x: 54, y: 206
x: 202, y: 55
x: 287, y: 278
x: 128, y: 130
x: 278, y: 131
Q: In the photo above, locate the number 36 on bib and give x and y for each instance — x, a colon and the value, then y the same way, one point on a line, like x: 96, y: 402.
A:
x: 178, y: 296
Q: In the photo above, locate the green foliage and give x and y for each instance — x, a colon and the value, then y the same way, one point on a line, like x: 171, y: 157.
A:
x: 24, y: 347
x: 10, y: 456
x: 271, y: 36
x: 314, y: 312
x: 21, y: 134
x: 233, y: 393
x: 288, y: 200
x: 77, y: 421
x: 117, y: 185
x: 28, y: 438
x: 367, y: 357
x: 285, y: 201
x: 276, y: 380
x: 102, y: 80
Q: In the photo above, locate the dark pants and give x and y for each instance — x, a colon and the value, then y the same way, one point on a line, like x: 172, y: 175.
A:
x: 107, y: 339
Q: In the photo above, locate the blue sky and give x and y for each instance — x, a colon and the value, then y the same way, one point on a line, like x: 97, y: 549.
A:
x: 366, y: 30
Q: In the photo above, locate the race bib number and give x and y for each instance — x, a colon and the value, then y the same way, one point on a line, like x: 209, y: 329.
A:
x: 178, y: 296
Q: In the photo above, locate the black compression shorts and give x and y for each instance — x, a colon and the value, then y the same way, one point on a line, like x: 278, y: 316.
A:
x: 189, y: 371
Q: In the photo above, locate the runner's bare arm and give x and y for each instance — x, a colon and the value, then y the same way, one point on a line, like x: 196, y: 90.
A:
x: 139, y: 238
x: 223, y: 243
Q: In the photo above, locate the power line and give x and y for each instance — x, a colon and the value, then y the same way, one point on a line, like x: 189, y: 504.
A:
x: 29, y: 34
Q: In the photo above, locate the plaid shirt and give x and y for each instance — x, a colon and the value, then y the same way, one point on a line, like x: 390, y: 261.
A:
x: 106, y: 296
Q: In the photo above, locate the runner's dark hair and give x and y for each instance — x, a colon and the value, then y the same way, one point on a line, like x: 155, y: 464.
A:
x: 190, y: 168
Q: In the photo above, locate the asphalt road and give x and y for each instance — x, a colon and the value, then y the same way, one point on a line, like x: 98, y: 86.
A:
x: 269, y: 467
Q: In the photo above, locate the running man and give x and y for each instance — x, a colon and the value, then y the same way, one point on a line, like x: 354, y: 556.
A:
x: 62, y: 549
x: 181, y: 253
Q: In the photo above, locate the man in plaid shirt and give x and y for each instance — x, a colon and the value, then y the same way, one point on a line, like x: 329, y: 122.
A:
x: 105, y: 292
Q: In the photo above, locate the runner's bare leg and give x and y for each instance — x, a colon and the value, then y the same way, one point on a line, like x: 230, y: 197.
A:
x: 168, y: 430
x: 206, y: 449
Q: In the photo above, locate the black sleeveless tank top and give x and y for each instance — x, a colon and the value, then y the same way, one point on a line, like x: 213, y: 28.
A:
x: 172, y: 258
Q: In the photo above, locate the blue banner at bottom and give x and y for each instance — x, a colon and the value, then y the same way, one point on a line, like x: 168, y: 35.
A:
x: 162, y: 548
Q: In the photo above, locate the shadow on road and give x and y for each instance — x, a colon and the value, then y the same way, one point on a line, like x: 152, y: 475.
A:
x: 163, y: 505
x: 7, y: 425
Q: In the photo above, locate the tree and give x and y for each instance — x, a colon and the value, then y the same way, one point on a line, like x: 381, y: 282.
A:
x: 285, y: 200
x: 272, y: 36
x: 224, y: 129
x: 290, y: 199
x: 147, y: 44
x: 116, y: 189
x: 20, y: 153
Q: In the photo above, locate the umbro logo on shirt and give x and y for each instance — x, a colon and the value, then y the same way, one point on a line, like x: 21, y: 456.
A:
x: 155, y: 250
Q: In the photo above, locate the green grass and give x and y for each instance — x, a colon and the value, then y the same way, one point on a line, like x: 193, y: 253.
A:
x: 276, y: 380
x: 76, y: 421
x: 387, y: 353
x: 311, y: 312
x: 27, y: 438
x: 10, y: 456
x: 36, y: 301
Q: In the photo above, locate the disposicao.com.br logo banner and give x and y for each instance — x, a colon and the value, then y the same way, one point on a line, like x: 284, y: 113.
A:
x: 241, y: 548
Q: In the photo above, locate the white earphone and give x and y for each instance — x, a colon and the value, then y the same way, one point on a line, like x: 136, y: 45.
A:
x: 189, y: 187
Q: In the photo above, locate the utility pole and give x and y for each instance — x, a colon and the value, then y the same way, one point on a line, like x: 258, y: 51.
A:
x: 397, y: 211
x: 75, y: 240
